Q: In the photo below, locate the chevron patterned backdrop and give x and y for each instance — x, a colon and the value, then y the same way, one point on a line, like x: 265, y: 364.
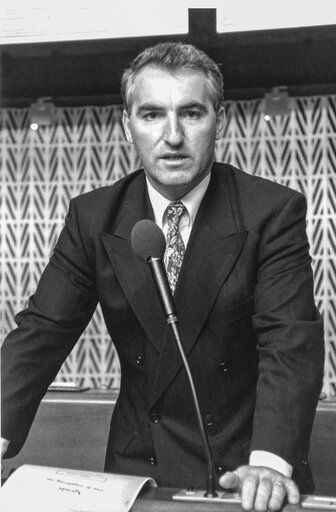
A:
x: 40, y: 172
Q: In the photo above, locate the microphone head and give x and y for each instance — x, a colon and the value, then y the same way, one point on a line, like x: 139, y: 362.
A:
x: 147, y: 240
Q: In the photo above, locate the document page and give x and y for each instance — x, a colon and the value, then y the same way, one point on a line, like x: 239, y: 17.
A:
x: 46, y: 489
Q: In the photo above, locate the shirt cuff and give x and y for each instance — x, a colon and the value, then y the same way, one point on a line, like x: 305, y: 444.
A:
x: 262, y: 458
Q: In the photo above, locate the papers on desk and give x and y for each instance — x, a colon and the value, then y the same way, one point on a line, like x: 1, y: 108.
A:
x: 46, y: 489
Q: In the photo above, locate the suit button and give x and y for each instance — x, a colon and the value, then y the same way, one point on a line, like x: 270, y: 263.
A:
x: 209, y: 420
x: 224, y: 367
x: 220, y: 469
x: 139, y: 360
x: 155, y: 418
x: 152, y: 461
x: 304, y: 462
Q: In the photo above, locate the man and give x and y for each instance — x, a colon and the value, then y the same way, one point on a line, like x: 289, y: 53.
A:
x: 238, y: 264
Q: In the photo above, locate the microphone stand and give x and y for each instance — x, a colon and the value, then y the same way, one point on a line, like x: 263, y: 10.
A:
x: 211, y: 482
x: 168, y: 305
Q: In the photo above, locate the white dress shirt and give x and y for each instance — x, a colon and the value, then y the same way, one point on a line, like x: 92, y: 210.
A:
x: 192, y: 202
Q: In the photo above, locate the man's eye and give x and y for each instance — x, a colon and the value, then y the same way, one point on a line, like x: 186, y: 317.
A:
x: 151, y: 116
x: 192, y: 114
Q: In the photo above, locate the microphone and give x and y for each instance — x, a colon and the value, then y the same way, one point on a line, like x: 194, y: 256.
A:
x: 148, y: 242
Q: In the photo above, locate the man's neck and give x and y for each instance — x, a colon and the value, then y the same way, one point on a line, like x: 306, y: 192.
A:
x: 191, y: 200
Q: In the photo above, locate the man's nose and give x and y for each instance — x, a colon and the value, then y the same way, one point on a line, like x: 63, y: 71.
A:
x: 173, y: 134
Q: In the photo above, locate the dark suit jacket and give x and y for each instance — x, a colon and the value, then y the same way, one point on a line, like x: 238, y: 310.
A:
x: 246, y: 315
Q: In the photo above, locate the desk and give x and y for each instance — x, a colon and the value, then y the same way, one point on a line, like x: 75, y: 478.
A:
x: 71, y: 429
x: 160, y: 500
x: 322, y: 457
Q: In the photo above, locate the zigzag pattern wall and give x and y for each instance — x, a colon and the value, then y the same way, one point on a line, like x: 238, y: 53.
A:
x: 86, y: 148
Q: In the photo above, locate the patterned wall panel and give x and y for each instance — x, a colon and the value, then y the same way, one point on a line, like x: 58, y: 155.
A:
x: 86, y: 148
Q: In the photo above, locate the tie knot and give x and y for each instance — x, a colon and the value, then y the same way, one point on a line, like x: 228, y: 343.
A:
x: 174, y: 212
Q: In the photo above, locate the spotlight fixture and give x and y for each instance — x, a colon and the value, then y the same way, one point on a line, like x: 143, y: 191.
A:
x: 276, y: 103
x: 41, y: 113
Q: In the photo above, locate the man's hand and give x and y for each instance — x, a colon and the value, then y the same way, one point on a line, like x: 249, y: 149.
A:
x: 261, y: 488
x: 3, y: 445
x: 3, y: 448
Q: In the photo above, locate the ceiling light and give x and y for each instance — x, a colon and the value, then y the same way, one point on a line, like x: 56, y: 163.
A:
x: 276, y: 103
x: 41, y: 113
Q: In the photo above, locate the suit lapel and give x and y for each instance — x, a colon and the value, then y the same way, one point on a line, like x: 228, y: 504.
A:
x: 214, y: 246
x: 133, y: 273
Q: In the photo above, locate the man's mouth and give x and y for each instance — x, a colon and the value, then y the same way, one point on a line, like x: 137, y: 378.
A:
x: 174, y: 157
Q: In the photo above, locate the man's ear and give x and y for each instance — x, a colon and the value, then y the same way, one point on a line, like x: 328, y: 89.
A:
x: 126, y: 125
x: 220, y: 122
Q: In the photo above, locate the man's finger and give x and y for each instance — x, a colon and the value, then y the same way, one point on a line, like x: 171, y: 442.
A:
x: 293, y: 493
x: 278, y: 495
x: 263, y: 494
x: 248, y: 492
x: 230, y: 480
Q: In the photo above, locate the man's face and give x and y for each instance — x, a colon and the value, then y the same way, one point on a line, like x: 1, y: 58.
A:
x: 173, y: 126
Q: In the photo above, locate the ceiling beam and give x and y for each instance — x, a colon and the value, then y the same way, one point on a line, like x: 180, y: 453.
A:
x: 88, y: 72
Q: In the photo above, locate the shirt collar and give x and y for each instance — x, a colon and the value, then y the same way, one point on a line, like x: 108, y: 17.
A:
x: 191, y: 201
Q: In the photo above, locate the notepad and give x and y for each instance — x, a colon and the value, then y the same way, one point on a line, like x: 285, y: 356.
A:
x: 40, y: 489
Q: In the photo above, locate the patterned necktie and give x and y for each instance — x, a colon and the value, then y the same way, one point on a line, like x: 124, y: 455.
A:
x: 175, y: 247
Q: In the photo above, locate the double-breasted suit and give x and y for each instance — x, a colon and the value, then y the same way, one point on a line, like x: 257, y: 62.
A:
x: 247, y: 318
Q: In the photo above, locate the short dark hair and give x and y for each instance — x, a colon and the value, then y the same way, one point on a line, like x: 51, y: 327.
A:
x: 174, y: 56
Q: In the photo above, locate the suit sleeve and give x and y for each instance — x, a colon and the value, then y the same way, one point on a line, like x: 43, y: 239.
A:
x: 46, y: 332
x: 290, y: 337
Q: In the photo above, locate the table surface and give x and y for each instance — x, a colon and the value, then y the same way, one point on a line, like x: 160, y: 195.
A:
x: 160, y: 499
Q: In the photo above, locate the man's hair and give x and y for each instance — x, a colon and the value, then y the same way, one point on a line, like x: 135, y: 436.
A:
x: 173, y: 57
